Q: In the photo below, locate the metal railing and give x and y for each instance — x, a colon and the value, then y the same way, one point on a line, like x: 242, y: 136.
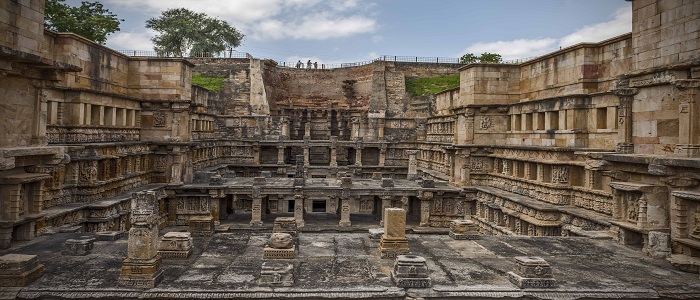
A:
x: 317, y: 66
x: 222, y: 54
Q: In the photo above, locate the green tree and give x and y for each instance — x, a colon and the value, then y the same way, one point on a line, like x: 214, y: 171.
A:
x: 484, y: 58
x: 468, y: 58
x: 182, y: 31
x: 493, y: 58
x: 90, y: 20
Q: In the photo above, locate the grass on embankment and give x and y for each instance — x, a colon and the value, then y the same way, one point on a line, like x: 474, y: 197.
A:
x: 209, y: 83
x: 428, y: 86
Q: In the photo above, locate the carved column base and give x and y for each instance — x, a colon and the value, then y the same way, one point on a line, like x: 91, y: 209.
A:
x: 624, y: 148
x: 393, y: 247
x: 344, y: 223
x: 687, y: 150
x: 141, y: 273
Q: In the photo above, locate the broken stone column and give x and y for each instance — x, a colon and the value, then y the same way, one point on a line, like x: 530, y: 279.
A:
x: 276, y: 273
x: 394, y: 240
x: 532, y: 272
x: 299, y: 172
x: 299, y: 209
x: 280, y: 155
x: 411, y: 271
x: 142, y: 267
x: 463, y: 230
x: 412, y: 165
x: 345, y: 213
x: 175, y: 245
x: 77, y: 247
x: 17, y: 270
x: 279, y: 246
x: 334, y: 151
x: 386, y: 203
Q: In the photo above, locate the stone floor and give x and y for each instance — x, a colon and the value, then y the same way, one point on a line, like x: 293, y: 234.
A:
x: 347, y: 266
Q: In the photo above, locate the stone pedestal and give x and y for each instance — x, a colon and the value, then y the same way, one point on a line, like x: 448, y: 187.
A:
x: 285, y: 225
x: 201, y: 226
x: 276, y: 274
x: 17, y: 270
x: 280, y: 246
x: 141, y: 273
x: 532, y: 272
x: 109, y: 235
x: 464, y: 230
x: 175, y: 245
x: 410, y: 271
x: 142, y: 267
x: 77, y: 247
x: 394, y: 242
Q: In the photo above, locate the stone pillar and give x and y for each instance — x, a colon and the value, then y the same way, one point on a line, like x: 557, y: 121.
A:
x: 284, y: 130
x: 345, y: 213
x: 256, y: 154
x: 380, y: 129
x: 688, y: 127
x: 624, y: 119
x: 299, y: 209
x: 394, y: 242
x: 386, y: 203
x: 412, y: 165
x: 425, y: 204
x: 358, y: 156
x: 334, y: 151
x: 306, y: 155
x: 256, y: 217
x: 382, y: 155
x: 142, y: 267
x: 280, y: 155
x: 307, y: 127
x: 355, y: 129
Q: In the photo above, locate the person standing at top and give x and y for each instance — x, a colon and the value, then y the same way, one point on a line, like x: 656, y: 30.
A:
x: 308, y: 64
x: 299, y: 64
x: 315, y: 65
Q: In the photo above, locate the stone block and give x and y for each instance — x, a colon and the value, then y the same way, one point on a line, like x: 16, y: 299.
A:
x: 376, y: 233
x: 201, y: 226
x: 411, y: 271
x: 141, y: 273
x: 463, y: 230
x: 532, y: 272
x: 109, y: 235
x: 285, y: 225
x: 259, y: 180
x: 175, y: 245
x: 276, y: 274
x: 266, y: 174
x: 376, y: 175
x: 280, y: 241
x: 18, y: 270
x: 77, y: 247
x: 216, y: 180
x: 427, y: 183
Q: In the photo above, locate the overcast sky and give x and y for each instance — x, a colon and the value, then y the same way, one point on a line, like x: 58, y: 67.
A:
x: 337, y: 31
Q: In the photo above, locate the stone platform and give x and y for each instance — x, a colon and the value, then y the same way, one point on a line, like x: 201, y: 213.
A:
x: 347, y: 265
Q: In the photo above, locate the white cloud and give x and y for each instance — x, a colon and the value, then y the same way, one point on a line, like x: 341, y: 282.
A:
x: 274, y: 19
x: 131, y: 40
x: 620, y: 24
x: 520, y: 48
x: 525, y: 48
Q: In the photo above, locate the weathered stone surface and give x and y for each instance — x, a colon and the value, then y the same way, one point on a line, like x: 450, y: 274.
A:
x: 201, y: 226
x: 109, y: 235
x: 393, y: 241
x: 532, y: 272
x: 18, y: 270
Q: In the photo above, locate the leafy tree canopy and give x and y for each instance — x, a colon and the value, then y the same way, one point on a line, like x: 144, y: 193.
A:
x: 90, y: 20
x: 485, y: 57
x: 182, y: 31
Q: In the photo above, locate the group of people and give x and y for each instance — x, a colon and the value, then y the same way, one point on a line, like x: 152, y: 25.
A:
x: 308, y: 64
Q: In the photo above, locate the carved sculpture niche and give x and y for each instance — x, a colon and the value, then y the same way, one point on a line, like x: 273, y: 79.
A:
x: 349, y: 89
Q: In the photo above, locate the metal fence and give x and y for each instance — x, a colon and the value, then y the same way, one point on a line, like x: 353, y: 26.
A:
x: 321, y: 66
x: 222, y: 54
